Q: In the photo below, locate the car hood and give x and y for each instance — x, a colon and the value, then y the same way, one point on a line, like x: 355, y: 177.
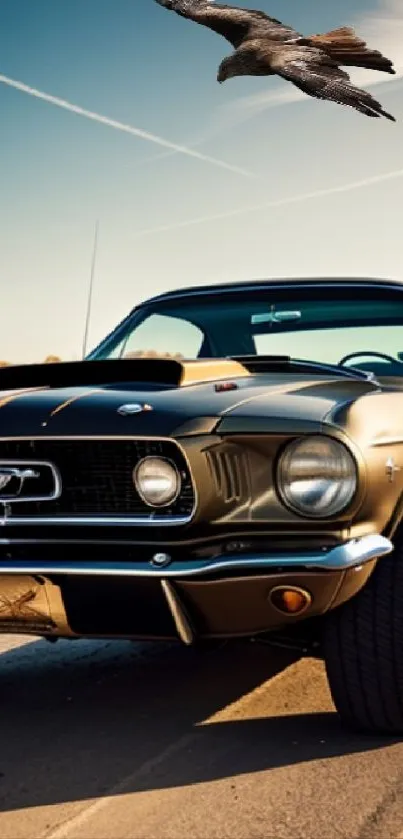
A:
x: 81, y: 399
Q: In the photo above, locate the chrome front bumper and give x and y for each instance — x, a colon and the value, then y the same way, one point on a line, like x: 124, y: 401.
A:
x: 351, y: 554
x: 33, y: 592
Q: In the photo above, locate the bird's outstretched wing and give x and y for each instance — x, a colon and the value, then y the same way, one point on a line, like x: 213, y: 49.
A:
x: 232, y: 22
x: 319, y: 76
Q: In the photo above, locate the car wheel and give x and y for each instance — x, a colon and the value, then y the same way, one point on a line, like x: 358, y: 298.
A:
x: 363, y: 651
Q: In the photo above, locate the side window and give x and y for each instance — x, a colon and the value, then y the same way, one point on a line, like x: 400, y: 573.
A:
x: 161, y: 335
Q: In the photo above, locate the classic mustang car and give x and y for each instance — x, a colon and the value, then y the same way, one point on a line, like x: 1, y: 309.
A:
x: 227, y: 463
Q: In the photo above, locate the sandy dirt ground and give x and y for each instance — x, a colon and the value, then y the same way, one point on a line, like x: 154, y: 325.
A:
x: 102, y: 740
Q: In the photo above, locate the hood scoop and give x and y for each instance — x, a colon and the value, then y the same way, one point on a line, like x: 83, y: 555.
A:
x: 166, y: 372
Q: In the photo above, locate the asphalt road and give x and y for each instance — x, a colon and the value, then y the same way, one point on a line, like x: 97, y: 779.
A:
x: 122, y: 740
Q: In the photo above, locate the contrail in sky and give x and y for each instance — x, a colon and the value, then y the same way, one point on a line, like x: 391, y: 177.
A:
x: 281, y: 202
x: 120, y: 126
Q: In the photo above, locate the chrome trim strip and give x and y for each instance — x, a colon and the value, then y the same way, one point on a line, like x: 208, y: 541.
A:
x: 87, y: 542
x: 98, y: 521
x: 386, y: 441
x: 103, y: 520
x: 30, y: 499
x: 349, y: 555
x: 134, y: 437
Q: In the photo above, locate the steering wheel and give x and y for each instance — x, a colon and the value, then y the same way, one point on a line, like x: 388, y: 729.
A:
x: 383, y: 355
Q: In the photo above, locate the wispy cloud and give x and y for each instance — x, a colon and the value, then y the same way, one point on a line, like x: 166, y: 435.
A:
x: 382, y: 29
x: 281, y: 202
x: 120, y: 126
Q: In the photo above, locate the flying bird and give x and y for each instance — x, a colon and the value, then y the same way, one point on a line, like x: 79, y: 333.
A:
x: 266, y: 47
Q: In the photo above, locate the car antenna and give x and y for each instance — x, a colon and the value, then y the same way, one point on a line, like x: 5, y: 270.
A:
x: 90, y: 289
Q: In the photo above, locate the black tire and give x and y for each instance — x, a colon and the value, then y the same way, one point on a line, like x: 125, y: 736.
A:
x: 363, y: 651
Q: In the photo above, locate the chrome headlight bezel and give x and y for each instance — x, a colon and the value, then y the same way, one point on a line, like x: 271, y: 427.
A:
x: 177, y: 483
x: 342, y: 499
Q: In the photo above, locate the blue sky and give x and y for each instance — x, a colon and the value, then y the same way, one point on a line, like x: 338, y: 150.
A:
x: 167, y: 219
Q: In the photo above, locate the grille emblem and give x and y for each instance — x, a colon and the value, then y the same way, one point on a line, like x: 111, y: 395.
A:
x: 391, y: 468
x: 133, y: 408
x: 28, y: 481
x: 13, y: 479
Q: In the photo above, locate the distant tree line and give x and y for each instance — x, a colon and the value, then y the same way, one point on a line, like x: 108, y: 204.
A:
x: 50, y: 359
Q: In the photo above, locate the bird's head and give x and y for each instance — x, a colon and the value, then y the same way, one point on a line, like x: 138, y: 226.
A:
x: 225, y: 71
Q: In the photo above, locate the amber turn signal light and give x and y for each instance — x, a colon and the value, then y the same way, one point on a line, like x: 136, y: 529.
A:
x: 290, y: 601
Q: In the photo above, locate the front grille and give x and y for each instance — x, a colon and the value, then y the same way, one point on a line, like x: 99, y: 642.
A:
x: 96, y: 477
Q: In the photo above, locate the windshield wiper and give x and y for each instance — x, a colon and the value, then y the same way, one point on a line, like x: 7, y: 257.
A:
x: 269, y: 363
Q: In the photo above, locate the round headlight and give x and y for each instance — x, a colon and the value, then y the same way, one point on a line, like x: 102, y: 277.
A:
x: 157, y: 481
x: 317, y: 476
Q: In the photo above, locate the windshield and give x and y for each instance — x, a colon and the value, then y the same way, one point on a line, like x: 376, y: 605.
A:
x: 323, y: 324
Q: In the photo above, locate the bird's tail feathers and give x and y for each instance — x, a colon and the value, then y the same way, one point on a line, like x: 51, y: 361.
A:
x: 344, y: 47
